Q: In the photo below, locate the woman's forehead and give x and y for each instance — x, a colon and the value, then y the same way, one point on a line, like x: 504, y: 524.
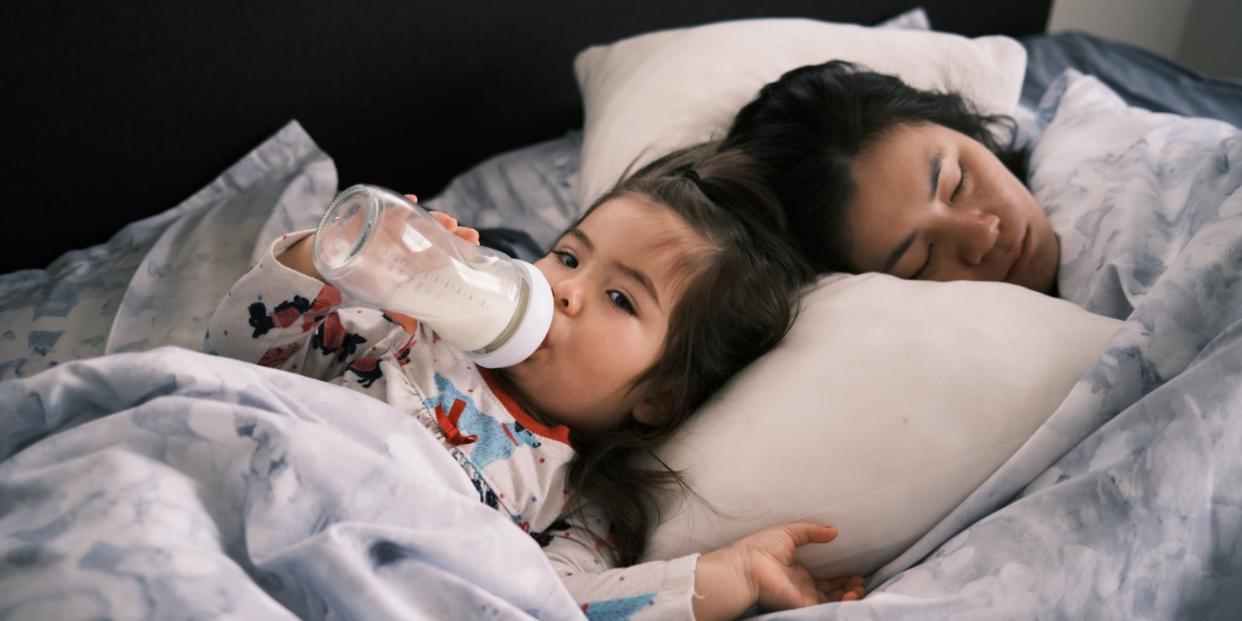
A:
x: 892, y: 180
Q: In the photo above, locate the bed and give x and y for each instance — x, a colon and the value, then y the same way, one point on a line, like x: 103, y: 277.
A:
x: 141, y: 479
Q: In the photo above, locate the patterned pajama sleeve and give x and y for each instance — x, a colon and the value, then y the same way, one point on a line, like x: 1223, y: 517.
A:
x: 652, y: 590
x: 278, y: 317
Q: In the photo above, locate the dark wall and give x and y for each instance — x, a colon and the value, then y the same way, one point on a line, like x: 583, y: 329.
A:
x: 113, y: 111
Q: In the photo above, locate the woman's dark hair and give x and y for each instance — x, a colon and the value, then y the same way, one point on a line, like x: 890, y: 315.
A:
x: 808, y: 127
x: 738, y: 300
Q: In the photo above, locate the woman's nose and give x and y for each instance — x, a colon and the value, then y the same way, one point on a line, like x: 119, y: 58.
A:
x: 568, y: 296
x: 976, y: 236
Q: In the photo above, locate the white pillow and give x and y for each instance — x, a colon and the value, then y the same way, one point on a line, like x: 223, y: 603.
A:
x: 649, y: 94
x: 887, y: 404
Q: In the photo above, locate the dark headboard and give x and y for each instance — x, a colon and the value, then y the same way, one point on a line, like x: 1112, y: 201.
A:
x: 117, y: 110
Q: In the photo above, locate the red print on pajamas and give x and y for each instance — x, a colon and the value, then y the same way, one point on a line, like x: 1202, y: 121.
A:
x: 288, y: 312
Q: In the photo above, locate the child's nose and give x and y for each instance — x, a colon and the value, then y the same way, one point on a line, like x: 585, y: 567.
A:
x: 568, y: 296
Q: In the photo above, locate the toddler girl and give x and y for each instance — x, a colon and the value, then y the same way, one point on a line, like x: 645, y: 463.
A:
x: 666, y: 287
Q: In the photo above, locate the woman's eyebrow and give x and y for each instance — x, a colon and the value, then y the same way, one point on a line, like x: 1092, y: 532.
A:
x: 898, y: 252
x: 937, y: 160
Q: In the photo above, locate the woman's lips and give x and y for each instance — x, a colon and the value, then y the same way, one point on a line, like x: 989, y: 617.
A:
x: 1024, y: 251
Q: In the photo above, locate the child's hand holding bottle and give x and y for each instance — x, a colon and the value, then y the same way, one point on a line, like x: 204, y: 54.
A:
x: 385, y: 251
x: 300, y: 256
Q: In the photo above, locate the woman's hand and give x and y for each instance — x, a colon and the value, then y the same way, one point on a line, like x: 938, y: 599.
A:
x: 762, y: 569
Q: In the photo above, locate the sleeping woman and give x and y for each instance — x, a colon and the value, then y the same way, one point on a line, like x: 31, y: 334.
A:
x: 877, y: 176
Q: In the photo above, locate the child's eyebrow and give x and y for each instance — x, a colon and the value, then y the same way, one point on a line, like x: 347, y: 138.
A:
x: 642, y: 280
x: 582, y: 238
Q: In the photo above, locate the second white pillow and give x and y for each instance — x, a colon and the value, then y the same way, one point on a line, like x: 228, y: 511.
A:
x: 884, y: 407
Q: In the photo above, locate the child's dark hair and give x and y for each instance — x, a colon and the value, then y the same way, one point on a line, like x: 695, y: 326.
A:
x: 808, y: 127
x: 739, y: 300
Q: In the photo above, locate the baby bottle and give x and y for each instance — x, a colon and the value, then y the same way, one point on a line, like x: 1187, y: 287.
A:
x: 378, y: 247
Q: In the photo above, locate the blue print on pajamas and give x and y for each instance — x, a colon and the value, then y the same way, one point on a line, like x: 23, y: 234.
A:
x: 460, y: 418
x: 620, y: 609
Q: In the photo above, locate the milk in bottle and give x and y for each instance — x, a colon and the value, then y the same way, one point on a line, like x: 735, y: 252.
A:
x: 378, y: 247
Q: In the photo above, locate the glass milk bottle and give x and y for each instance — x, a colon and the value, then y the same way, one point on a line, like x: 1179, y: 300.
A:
x: 378, y: 247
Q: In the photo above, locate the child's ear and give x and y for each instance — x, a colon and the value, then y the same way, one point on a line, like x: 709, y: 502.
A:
x: 649, y: 412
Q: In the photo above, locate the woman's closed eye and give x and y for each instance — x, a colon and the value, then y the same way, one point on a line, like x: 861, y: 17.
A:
x: 961, y: 183
x: 922, y: 271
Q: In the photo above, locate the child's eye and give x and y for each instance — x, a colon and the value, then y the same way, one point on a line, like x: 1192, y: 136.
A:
x: 620, y: 301
x: 566, y: 259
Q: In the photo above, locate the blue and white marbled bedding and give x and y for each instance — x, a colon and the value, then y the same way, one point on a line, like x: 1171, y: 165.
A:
x: 173, y: 484
x: 133, y: 494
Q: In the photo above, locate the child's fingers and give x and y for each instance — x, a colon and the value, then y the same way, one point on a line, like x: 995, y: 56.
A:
x: 448, y: 222
x: 803, y: 533
x: 843, y: 595
x: 842, y: 589
x: 468, y: 234
x: 407, y: 323
x: 413, y: 199
x: 832, y: 583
